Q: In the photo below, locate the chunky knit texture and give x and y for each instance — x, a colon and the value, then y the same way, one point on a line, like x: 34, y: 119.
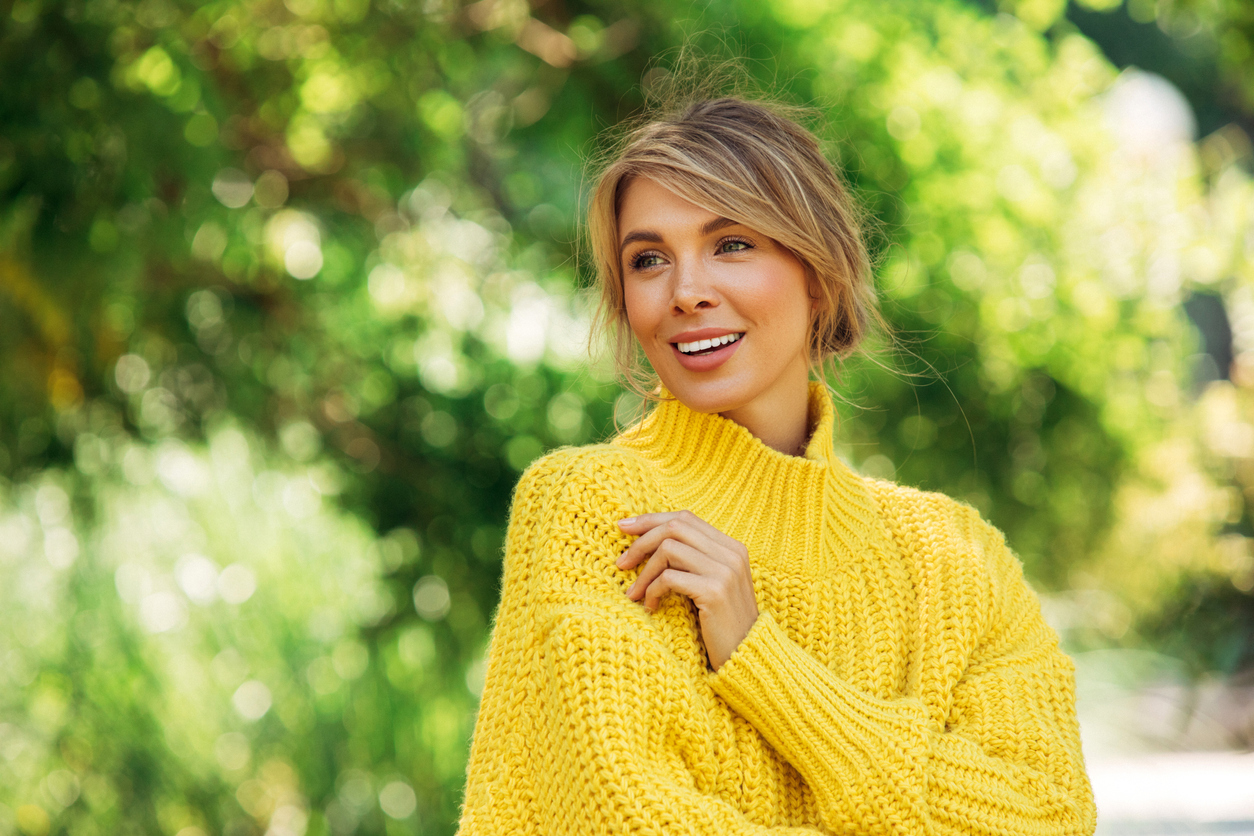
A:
x: 899, y: 678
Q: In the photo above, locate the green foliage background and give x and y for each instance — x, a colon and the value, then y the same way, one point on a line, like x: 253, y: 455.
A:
x: 288, y: 298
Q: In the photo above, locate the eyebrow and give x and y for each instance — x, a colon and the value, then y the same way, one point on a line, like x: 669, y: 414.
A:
x: 656, y: 238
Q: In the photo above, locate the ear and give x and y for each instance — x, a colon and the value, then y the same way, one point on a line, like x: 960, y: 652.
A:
x: 812, y: 289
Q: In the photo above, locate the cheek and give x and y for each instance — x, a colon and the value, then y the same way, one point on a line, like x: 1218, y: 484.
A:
x: 783, y: 301
x: 632, y: 305
x: 638, y: 311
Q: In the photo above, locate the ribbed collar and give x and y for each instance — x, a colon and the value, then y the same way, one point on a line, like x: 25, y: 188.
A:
x: 683, y: 437
x: 723, y: 472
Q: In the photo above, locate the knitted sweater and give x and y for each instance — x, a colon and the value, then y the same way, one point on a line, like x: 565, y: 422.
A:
x: 899, y: 677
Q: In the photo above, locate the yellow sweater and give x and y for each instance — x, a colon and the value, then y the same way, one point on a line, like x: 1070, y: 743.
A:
x: 899, y: 678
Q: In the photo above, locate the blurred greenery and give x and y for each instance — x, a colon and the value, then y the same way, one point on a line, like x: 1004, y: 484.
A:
x: 288, y: 299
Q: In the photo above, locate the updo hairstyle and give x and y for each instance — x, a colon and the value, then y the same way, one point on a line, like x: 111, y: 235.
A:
x: 748, y: 161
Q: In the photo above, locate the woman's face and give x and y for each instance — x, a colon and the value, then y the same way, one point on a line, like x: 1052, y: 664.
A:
x: 722, y: 311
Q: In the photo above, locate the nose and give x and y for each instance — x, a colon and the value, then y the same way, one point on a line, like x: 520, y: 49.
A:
x: 693, y: 289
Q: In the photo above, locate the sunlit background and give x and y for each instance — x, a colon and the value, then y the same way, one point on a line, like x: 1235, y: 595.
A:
x: 289, y: 297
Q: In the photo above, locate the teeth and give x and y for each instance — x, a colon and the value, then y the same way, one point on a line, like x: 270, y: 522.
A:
x: 702, y: 345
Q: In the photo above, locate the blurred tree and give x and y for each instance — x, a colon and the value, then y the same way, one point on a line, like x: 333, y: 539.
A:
x: 288, y: 298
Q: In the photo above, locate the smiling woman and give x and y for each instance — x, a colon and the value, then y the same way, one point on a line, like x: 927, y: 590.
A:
x: 710, y: 624
x: 758, y: 166
x: 709, y: 279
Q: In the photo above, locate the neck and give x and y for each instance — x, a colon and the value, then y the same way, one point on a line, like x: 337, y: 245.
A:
x: 779, y: 417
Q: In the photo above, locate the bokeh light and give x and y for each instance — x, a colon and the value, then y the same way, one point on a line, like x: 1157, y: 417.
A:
x: 290, y: 295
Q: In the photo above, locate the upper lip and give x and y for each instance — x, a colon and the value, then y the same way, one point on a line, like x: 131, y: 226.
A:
x: 702, y: 334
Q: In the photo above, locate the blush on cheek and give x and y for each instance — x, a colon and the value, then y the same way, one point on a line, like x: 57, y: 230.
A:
x: 635, y: 310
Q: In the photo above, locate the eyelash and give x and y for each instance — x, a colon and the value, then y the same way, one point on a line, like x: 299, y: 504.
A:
x: 638, y: 259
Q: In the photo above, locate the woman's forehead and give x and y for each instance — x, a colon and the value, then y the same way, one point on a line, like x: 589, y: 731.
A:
x: 646, y: 202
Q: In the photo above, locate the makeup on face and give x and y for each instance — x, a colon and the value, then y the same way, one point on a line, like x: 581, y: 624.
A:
x: 721, y: 311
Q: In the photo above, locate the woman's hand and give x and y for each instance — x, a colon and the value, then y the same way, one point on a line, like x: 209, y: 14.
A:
x: 693, y: 558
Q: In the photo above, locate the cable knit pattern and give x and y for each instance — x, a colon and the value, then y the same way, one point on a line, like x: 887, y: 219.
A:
x: 899, y: 678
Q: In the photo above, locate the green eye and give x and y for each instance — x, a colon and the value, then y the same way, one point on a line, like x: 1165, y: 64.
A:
x: 735, y: 246
x: 645, y: 261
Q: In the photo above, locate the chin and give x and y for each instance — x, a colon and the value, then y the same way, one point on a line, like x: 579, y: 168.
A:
x: 708, y: 396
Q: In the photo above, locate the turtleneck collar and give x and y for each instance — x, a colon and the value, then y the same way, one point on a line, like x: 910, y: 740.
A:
x: 672, y: 428
x: 726, y: 474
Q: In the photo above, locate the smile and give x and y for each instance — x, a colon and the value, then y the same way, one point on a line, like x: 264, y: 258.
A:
x: 700, y: 347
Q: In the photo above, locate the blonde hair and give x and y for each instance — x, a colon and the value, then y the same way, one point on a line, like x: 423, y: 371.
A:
x: 750, y: 161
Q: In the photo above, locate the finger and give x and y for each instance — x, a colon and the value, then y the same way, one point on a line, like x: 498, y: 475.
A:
x: 710, y: 530
x: 682, y: 526
x: 674, y: 580
x: 641, y: 523
x: 727, y: 549
x: 670, y: 555
x: 645, y: 545
x: 689, y: 519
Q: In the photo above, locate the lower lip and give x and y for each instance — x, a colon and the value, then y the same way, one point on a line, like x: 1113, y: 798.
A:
x: 706, y: 362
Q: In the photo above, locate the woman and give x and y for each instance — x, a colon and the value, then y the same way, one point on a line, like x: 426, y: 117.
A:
x: 711, y: 625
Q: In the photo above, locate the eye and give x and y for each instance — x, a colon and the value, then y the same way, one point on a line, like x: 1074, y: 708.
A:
x: 734, y: 245
x: 645, y: 260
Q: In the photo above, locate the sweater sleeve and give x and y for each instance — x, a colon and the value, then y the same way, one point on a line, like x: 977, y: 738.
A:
x: 1005, y: 760
x: 575, y: 732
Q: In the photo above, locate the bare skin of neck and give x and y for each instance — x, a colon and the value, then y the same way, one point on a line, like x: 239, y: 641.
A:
x: 781, y: 418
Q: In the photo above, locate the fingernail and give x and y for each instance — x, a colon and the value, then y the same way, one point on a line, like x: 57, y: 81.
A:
x: 622, y: 558
x: 627, y: 521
